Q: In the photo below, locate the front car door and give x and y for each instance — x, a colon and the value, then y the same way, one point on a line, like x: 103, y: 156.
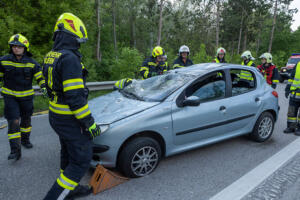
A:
x: 194, y: 123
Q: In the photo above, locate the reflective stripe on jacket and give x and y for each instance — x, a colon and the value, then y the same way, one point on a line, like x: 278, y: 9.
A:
x: 17, y: 75
x: 246, y: 75
x: 149, y: 66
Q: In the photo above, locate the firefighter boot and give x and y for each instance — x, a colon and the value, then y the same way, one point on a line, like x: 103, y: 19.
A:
x: 289, y: 130
x: 15, y: 149
x: 297, y: 132
x: 79, y: 191
x: 291, y: 127
x: 25, y: 140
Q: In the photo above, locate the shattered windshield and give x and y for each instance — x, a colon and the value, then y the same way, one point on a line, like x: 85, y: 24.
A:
x: 156, y: 88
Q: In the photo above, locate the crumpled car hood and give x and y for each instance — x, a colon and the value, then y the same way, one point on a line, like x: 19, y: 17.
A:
x: 114, y: 106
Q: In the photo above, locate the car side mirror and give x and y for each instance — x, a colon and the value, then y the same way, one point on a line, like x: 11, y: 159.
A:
x: 191, y: 101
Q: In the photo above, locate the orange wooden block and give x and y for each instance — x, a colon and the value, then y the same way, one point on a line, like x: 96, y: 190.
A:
x: 103, y: 179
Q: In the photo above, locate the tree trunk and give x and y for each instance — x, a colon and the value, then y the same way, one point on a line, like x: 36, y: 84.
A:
x: 218, y: 24
x: 132, y: 24
x: 99, y: 55
x: 245, y: 40
x: 240, y: 36
x: 160, y: 22
x: 114, y: 27
x: 259, y: 34
x: 273, y: 27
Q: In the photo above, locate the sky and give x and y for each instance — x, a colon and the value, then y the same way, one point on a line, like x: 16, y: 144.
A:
x: 296, y: 18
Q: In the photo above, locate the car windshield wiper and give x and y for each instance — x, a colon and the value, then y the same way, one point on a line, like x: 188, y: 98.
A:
x: 131, y: 95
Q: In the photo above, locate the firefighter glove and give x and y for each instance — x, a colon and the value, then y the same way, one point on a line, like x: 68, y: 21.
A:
x: 287, y: 94
x: 44, y: 92
x: 94, y: 131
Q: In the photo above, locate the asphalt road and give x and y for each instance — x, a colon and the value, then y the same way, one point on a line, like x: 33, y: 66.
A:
x: 197, y: 174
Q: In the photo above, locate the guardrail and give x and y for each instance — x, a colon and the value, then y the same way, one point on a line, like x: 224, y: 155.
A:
x: 93, y: 86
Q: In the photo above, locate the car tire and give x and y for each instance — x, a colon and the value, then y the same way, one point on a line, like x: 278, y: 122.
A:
x: 139, y: 157
x: 263, y: 128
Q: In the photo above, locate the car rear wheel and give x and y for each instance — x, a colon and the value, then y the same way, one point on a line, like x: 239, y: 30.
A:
x: 140, y: 157
x: 263, y: 128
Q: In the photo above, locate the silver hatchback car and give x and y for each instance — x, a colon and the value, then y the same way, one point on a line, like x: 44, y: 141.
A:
x: 181, y: 110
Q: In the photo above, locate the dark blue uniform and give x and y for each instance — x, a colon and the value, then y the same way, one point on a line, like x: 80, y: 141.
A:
x: 150, y: 68
x: 17, y: 76
x: 178, y: 63
x: 69, y: 114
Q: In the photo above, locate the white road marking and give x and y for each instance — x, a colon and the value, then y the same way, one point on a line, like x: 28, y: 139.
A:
x: 240, y: 188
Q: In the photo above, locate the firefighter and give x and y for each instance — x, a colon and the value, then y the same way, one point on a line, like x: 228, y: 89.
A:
x: 69, y: 114
x: 17, y: 70
x: 154, y: 65
x: 183, y: 60
x: 292, y: 89
x: 247, y: 58
x: 220, y: 56
x: 268, y: 70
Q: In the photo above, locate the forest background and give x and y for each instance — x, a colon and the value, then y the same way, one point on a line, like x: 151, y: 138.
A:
x: 123, y: 32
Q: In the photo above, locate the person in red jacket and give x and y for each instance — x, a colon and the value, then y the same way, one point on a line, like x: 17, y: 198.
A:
x: 268, y: 69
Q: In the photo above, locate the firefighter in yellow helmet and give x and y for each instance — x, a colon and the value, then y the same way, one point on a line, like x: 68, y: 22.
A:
x: 17, y: 70
x: 220, y: 56
x: 154, y: 65
x: 69, y: 113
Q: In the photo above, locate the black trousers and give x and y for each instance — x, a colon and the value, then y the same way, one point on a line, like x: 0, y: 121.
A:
x: 76, y: 153
x: 292, y: 113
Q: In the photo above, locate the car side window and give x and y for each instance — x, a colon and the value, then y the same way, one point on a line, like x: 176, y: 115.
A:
x: 211, y: 88
x: 242, y: 81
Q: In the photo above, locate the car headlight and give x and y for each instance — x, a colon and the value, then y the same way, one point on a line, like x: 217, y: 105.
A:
x: 103, y: 127
x: 284, y: 70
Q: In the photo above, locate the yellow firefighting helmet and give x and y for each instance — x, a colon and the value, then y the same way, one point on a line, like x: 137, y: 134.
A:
x: 221, y: 50
x: 158, y: 51
x: 69, y: 23
x: 19, y: 40
x: 267, y: 56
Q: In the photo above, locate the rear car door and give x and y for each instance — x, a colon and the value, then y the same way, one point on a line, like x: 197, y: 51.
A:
x: 244, y: 103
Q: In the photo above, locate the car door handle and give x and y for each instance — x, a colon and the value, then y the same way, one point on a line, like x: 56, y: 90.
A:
x: 222, y: 108
x: 257, y: 99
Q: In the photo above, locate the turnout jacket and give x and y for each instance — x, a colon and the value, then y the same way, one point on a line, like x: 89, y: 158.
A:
x: 293, y: 85
x: 65, y: 78
x: 270, y: 73
x: 178, y: 63
x: 149, y: 68
x: 217, y: 60
x: 17, y: 76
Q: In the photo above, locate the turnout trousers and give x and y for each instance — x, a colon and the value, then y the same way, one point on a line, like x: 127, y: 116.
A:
x: 14, y: 109
x: 292, y: 116
x: 75, y: 155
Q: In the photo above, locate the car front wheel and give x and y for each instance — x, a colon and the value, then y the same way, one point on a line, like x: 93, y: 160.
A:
x: 140, y: 157
x: 263, y: 128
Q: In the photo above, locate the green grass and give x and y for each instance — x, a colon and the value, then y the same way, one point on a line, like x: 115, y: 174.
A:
x: 42, y: 104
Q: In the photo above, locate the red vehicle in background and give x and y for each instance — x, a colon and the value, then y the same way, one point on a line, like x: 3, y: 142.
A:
x: 285, y: 72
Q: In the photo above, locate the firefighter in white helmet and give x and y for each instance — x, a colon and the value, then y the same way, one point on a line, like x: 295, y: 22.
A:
x: 268, y: 69
x: 220, y: 56
x: 183, y: 60
x: 246, y: 76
